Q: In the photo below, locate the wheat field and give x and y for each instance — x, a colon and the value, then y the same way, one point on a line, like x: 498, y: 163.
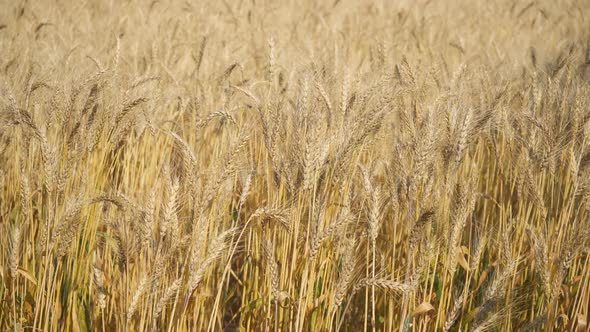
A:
x: 259, y: 165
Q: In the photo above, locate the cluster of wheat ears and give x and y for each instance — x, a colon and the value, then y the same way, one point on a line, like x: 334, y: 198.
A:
x: 294, y: 165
